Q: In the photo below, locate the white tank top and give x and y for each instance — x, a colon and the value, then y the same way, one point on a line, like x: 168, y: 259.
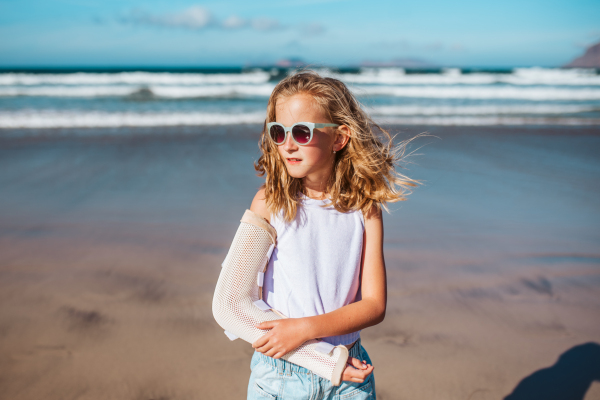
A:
x: 315, y: 267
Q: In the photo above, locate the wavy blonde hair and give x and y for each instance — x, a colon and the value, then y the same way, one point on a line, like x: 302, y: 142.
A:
x: 364, y: 174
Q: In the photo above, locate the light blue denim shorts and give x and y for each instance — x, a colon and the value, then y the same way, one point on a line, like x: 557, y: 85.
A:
x: 279, y: 379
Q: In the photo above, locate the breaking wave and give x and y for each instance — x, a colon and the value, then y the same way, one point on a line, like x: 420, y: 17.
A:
x: 36, y: 119
x: 71, y: 119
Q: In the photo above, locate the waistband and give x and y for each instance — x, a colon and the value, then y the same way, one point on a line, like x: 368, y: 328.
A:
x: 286, y: 368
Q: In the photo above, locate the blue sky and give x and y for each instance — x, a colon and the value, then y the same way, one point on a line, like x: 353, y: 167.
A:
x: 329, y: 32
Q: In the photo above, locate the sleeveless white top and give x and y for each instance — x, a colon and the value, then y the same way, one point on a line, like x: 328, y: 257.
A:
x: 315, y: 266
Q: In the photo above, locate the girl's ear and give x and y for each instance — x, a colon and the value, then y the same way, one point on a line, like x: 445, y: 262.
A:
x: 342, y: 136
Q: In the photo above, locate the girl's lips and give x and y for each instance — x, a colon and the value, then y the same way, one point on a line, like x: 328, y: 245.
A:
x: 294, y: 160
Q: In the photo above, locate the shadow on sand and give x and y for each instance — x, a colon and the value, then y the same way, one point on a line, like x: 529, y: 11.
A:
x: 568, y: 379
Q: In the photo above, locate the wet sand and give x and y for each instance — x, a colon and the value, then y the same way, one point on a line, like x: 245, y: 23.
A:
x: 111, y: 241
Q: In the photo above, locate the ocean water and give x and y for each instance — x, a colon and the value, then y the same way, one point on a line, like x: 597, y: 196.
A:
x: 152, y: 98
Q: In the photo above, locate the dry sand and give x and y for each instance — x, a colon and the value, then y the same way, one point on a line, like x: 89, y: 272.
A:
x: 120, y: 309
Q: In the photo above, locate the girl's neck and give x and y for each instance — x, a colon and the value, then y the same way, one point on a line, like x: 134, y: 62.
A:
x: 315, y: 184
x: 315, y: 190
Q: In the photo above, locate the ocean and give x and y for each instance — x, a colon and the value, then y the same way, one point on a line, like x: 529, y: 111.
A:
x: 120, y: 193
x: 110, y: 98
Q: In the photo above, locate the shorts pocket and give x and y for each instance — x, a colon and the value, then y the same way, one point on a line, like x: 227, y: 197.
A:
x: 263, y: 393
x: 265, y: 380
x: 365, y: 391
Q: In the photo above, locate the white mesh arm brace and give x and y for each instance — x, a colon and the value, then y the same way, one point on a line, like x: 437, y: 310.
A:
x: 238, y: 296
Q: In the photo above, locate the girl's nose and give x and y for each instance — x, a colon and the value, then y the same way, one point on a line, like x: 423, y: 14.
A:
x: 289, y: 145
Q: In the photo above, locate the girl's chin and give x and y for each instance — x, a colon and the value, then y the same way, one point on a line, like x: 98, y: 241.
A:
x: 294, y: 173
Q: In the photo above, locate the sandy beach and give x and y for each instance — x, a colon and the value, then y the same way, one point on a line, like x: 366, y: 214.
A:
x: 111, y: 242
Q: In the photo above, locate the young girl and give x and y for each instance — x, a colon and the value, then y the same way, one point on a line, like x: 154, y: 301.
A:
x: 327, y: 177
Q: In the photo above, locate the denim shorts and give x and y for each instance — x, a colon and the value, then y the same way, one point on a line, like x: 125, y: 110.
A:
x: 279, y: 379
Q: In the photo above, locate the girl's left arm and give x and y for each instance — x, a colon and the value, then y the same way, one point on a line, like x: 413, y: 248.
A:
x: 287, y: 334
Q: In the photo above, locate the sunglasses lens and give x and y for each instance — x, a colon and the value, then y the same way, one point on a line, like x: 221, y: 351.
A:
x: 277, y: 134
x: 301, y: 134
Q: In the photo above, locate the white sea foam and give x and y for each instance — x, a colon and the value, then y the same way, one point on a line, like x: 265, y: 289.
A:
x: 81, y: 119
x: 482, y: 92
x: 488, y: 121
x: 132, y: 78
x: 385, y: 76
x: 67, y: 91
x: 555, y: 76
x: 175, y: 92
x: 453, y: 76
x: 520, y: 109
x: 264, y: 90
x: 38, y: 119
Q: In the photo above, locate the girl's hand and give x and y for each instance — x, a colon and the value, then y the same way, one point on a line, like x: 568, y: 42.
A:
x: 284, y: 336
x: 356, y: 371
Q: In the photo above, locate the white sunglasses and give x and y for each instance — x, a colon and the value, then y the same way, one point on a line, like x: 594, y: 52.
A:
x: 302, y: 132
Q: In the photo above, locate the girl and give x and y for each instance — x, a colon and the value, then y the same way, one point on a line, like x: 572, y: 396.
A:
x: 327, y: 177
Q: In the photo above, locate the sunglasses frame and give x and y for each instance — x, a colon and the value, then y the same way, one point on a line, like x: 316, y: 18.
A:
x: 310, y: 125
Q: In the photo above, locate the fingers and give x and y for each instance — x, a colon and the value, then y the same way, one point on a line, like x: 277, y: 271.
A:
x: 261, y: 341
x: 357, y: 380
x: 356, y: 371
x: 356, y: 363
x: 263, y: 349
x: 266, y: 345
x: 262, y: 344
x: 369, y: 370
x: 350, y: 378
x: 267, y: 325
x: 271, y: 351
x: 360, y: 375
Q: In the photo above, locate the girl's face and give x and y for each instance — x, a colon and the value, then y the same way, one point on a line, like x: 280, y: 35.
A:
x: 314, y: 161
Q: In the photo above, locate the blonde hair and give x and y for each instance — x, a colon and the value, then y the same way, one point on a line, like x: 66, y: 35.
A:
x: 364, y: 174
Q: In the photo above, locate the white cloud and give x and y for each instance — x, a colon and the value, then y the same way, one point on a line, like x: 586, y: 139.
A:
x: 312, y: 28
x: 234, y: 22
x: 265, y: 24
x: 195, y: 17
x: 198, y: 17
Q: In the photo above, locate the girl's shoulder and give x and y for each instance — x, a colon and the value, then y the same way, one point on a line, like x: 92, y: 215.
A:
x: 373, y: 221
x: 259, y: 205
x: 374, y: 213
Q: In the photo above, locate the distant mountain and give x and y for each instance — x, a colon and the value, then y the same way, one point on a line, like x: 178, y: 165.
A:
x: 400, y: 63
x: 591, y: 58
x: 291, y: 63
